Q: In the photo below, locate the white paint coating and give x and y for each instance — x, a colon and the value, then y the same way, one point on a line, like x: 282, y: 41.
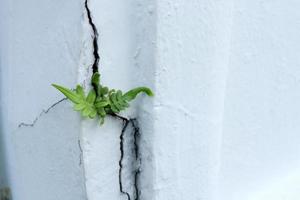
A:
x: 40, y: 44
x: 226, y: 106
x: 261, y: 116
x: 224, y: 121
x: 121, y: 68
x: 192, y: 59
x: 101, y: 157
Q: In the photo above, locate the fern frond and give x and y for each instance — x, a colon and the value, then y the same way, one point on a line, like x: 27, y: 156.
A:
x: 73, y: 96
x: 131, y: 94
x: 100, y: 100
x: 84, y: 105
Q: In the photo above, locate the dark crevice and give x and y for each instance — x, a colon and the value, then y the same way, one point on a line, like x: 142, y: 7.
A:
x: 23, y: 124
x: 136, y: 171
x: 125, y: 124
x: 126, y: 121
x: 95, y: 38
x: 95, y: 65
x: 136, y: 135
x: 136, y: 186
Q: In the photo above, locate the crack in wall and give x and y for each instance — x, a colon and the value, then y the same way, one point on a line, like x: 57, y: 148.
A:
x: 95, y: 38
x: 125, y: 125
x: 95, y: 65
x: 24, y: 124
x: 126, y: 121
x: 136, y: 136
x: 136, y: 133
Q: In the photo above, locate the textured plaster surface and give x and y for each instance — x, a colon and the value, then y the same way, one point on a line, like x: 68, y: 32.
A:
x: 119, y: 67
x: 260, y: 145
x: 40, y: 44
x: 224, y: 121
x: 193, y: 42
x: 226, y: 110
x: 48, y: 167
x: 101, y: 154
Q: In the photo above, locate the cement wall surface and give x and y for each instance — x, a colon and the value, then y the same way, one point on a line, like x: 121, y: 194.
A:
x: 223, y: 124
x: 40, y: 45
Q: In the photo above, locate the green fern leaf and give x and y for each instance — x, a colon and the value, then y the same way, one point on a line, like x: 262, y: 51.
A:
x: 93, y: 114
x: 86, y: 112
x: 103, y: 91
x: 96, y: 80
x: 80, y: 92
x: 101, y: 103
x: 131, y: 94
x: 101, y: 112
x: 73, y: 96
x: 91, y: 97
x: 79, y: 107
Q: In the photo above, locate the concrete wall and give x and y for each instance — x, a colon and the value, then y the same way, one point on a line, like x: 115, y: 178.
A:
x: 260, y: 148
x: 223, y: 123
x: 40, y: 44
x: 3, y: 54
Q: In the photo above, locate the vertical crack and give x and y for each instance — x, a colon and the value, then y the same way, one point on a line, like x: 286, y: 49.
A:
x: 137, y: 160
x: 136, y: 135
x: 125, y: 125
x: 95, y: 38
x: 95, y: 65
x: 126, y: 121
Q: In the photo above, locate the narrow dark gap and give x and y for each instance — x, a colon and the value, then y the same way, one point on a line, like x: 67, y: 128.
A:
x: 136, y: 133
x: 126, y: 121
x: 95, y: 38
x: 136, y: 136
x: 95, y: 65
x: 125, y: 125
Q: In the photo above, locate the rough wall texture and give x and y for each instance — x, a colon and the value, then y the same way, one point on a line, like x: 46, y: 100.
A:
x: 40, y: 44
x: 126, y: 61
x: 224, y: 121
x: 192, y: 60
x: 260, y: 148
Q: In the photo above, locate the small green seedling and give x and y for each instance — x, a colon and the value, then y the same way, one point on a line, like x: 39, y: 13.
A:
x: 100, y: 100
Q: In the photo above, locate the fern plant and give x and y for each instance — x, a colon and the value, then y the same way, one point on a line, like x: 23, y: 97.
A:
x: 100, y: 100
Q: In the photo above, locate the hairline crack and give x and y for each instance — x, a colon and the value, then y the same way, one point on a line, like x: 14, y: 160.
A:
x: 44, y: 111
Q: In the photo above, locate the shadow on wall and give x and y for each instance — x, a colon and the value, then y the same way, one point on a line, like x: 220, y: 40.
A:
x: 4, y: 190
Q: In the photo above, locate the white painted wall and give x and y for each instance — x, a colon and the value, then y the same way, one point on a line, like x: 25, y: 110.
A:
x: 193, y: 43
x: 227, y: 117
x: 40, y: 44
x: 127, y: 42
x: 260, y: 147
x: 224, y: 120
